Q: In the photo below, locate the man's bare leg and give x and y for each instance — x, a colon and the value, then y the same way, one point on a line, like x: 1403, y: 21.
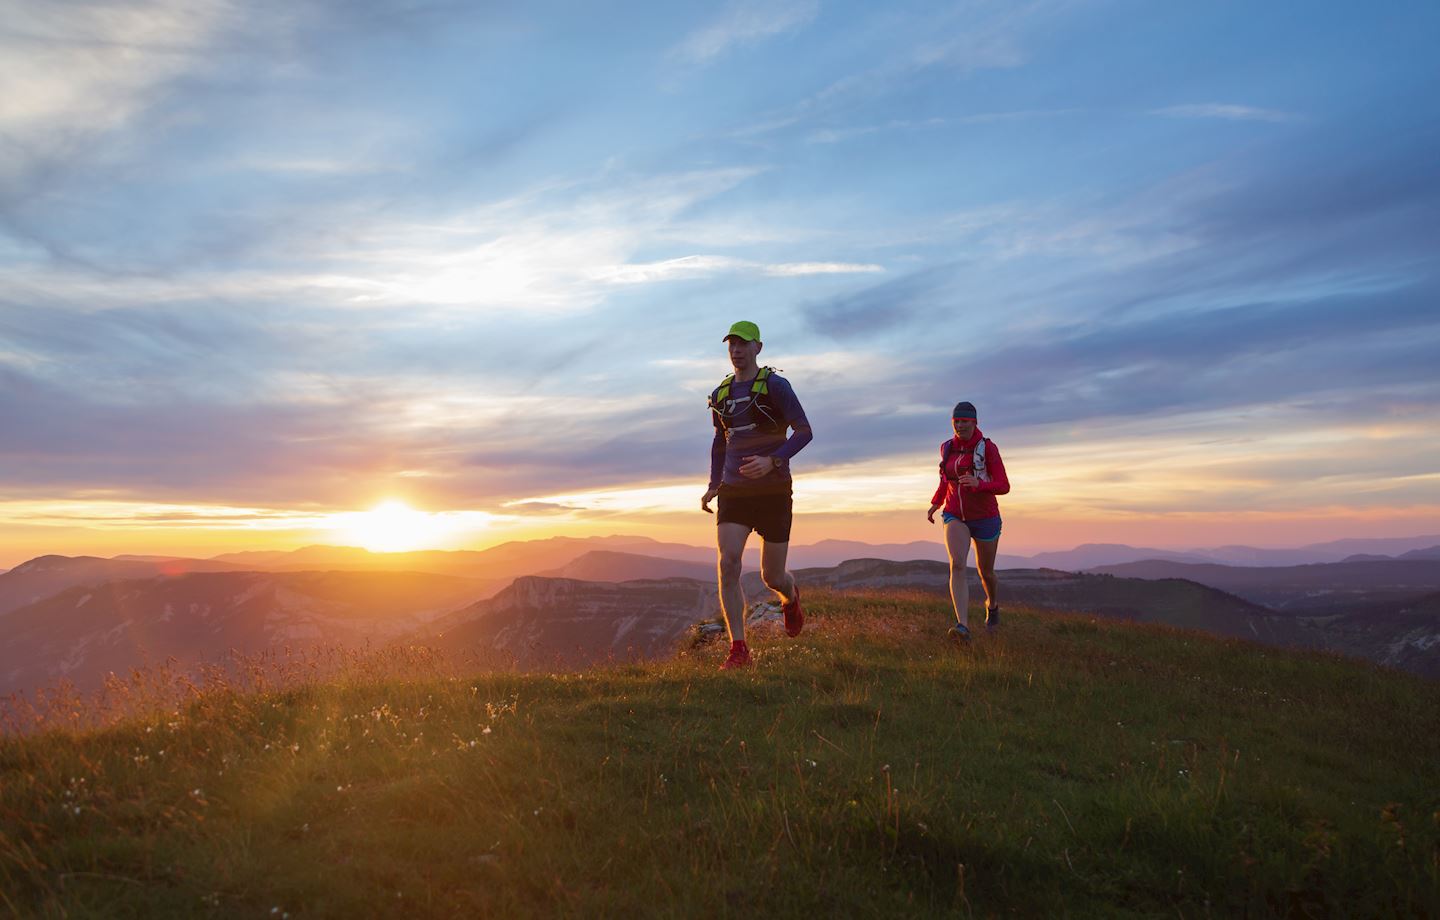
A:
x: 730, y: 543
x: 773, y: 572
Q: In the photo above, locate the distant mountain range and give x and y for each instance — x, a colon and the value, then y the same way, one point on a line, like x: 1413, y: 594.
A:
x: 572, y: 600
x: 611, y: 566
x: 1335, y: 586
x: 1093, y: 555
x: 84, y: 633
x: 504, y: 561
x: 487, y: 570
x: 44, y: 576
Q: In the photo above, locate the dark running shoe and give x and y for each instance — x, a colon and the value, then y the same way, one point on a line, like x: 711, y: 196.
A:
x: 959, y: 633
x: 794, y: 616
x: 739, y: 657
x: 992, y: 619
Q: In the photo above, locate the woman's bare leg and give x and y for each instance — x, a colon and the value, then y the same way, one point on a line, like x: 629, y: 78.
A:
x: 957, y: 543
x: 985, y: 551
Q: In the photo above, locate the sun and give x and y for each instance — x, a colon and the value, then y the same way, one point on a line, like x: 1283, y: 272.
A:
x: 393, y: 527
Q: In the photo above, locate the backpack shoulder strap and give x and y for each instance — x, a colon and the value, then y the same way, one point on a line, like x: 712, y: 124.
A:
x: 722, y: 392
x: 761, y: 386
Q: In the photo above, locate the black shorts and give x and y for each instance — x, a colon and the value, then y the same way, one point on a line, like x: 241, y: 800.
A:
x: 767, y: 514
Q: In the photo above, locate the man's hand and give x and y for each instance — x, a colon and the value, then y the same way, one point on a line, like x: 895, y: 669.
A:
x: 969, y: 480
x: 755, y: 467
x: 705, y: 499
x: 931, y: 516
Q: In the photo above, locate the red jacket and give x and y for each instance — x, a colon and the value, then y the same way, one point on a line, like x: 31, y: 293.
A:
x: 971, y: 503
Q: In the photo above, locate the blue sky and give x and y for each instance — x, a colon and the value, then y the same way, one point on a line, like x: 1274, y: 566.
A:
x: 266, y: 263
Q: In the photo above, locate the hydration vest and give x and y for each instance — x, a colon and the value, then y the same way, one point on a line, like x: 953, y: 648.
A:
x: 978, y: 458
x: 766, y: 417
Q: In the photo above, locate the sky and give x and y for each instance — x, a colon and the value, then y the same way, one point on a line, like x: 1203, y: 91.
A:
x: 267, y: 266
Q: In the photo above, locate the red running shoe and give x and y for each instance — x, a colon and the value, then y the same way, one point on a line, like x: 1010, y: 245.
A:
x: 794, y: 616
x: 739, y: 657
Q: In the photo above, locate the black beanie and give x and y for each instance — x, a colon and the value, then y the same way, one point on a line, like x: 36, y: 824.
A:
x: 964, y: 409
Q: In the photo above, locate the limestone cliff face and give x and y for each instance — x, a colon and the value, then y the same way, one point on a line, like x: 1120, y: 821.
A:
x: 562, y: 622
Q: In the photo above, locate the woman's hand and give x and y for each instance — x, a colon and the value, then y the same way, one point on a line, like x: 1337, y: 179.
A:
x: 969, y: 480
x: 755, y: 467
x: 931, y: 516
x: 705, y: 500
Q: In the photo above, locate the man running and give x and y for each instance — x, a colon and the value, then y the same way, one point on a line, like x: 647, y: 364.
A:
x: 750, y: 472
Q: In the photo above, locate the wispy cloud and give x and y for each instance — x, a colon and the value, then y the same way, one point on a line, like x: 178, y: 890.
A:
x: 123, y: 515
x: 1227, y: 112
x: 961, y: 39
x: 85, y: 67
x: 687, y: 267
x: 741, y: 23
x: 836, y: 135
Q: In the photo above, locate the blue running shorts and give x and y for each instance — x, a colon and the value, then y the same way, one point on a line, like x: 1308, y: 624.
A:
x: 986, y: 529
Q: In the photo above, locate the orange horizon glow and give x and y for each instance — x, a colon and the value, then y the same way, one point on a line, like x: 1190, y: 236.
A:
x: 1028, y: 530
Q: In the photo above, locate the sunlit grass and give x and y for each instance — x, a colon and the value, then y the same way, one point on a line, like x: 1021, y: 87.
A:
x: 1070, y: 766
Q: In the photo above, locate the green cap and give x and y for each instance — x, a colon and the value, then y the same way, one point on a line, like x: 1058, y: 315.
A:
x: 745, y: 330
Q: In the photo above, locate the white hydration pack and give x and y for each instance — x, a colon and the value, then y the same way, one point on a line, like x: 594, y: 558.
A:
x: 982, y: 472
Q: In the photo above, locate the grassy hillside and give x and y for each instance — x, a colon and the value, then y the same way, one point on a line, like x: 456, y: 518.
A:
x: 1070, y: 767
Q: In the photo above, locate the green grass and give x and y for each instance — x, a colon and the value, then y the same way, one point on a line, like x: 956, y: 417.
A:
x: 1068, y: 768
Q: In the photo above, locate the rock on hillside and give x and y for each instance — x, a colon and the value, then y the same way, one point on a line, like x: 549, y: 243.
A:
x: 1400, y: 634
x: 84, y: 633
x: 564, y: 622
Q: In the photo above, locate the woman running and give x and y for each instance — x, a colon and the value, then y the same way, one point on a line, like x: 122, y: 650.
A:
x: 971, y: 475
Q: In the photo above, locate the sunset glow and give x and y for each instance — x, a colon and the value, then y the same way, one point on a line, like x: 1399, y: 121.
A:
x: 394, y: 527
